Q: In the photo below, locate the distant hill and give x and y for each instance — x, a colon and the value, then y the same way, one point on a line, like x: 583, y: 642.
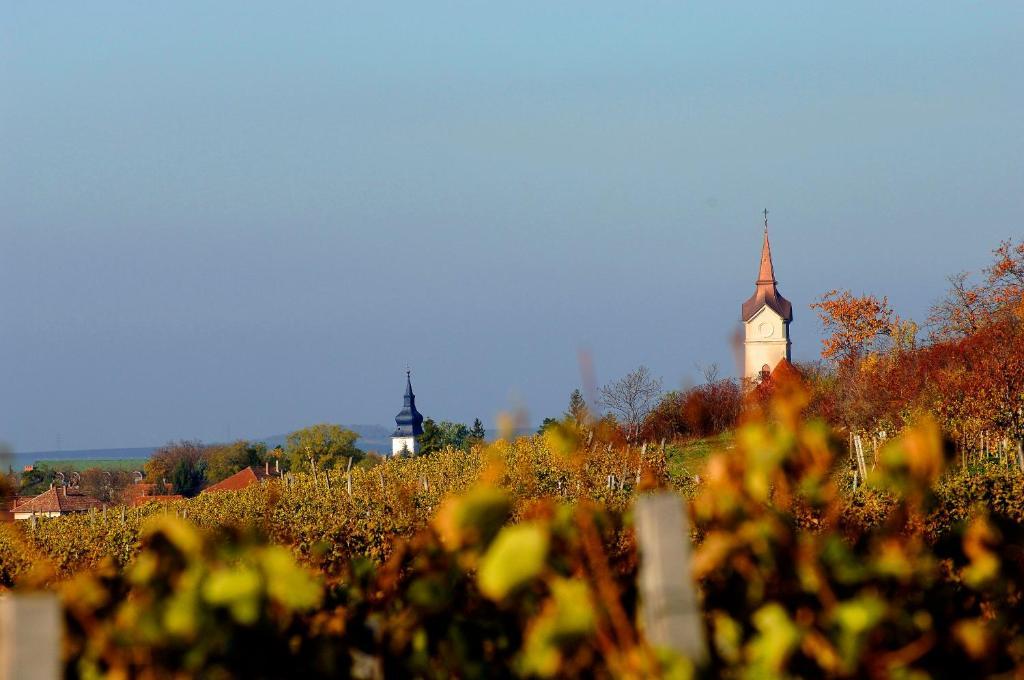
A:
x: 19, y: 460
x: 82, y: 464
x: 371, y: 438
x: 376, y: 438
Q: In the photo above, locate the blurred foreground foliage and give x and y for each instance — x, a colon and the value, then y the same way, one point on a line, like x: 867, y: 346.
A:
x: 918, y: 574
x: 518, y: 559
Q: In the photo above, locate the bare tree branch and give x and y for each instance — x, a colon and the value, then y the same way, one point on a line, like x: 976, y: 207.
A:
x: 632, y: 397
x: 710, y: 372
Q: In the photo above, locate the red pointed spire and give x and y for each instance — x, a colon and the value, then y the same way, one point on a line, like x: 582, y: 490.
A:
x: 767, y: 273
x: 767, y: 292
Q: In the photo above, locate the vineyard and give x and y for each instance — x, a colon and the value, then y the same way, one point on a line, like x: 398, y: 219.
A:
x: 520, y: 559
x: 328, y: 517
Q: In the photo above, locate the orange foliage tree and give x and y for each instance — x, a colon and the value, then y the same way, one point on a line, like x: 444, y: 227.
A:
x: 855, y: 324
x: 969, y: 307
x: 1006, y: 275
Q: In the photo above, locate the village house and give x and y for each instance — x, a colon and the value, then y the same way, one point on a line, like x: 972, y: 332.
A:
x: 141, y: 493
x: 246, y: 477
x: 56, y: 501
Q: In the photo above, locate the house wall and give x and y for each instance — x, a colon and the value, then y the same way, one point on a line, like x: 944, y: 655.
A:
x: 28, y: 515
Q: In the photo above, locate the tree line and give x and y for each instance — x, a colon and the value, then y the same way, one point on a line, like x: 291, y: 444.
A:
x: 879, y: 370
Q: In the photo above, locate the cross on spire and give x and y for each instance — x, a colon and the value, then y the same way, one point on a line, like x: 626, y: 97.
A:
x: 767, y: 292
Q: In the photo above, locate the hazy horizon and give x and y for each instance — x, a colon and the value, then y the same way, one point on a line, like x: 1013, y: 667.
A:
x: 240, y: 219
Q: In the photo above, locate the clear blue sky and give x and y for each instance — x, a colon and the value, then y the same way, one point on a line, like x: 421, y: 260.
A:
x: 240, y: 218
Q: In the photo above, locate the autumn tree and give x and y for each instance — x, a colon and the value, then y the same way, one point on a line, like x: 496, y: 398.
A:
x: 969, y: 305
x: 856, y: 325
x: 666, y: 419
x: 1006, y: 275
x: 962, y: 311
x: 225, y: 460
x: 325, y: 446
x: 188, y: 455
x: 106, y: 485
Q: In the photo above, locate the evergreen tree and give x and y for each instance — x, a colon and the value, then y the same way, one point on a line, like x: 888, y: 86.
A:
x: 577, y: 412
x: 477, y: 434
x: 430, y: 440
x: 187, y: 477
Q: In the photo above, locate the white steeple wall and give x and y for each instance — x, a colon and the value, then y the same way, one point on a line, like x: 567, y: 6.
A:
x: 403, y: 446
x: 766, y: 342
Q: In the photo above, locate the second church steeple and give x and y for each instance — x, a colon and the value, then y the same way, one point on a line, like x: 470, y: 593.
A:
x: 409, y: 422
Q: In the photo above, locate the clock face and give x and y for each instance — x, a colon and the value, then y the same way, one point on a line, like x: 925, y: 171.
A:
x: 766, y: 330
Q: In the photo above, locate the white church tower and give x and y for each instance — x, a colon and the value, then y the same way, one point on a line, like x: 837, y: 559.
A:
x: 410, y: 424
x: 766, y: 318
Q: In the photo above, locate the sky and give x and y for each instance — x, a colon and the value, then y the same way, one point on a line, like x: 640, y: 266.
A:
x: 234, y: 219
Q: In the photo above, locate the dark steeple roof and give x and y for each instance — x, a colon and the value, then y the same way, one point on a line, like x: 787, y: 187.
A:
x: 767, y: 292
x: 409, y: 420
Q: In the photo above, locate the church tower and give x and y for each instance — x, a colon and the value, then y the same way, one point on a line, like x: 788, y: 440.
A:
x: 766, y: 318
x: 410, y: 424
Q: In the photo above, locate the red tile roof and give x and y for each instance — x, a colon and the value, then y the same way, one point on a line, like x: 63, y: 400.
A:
x: 59, y: 500
x: 785, y: 376
x: 785, y: 370
x: 241, y: 479
x: 140, y: 489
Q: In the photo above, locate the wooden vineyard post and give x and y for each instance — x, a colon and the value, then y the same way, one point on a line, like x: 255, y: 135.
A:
x: 853, y: 457
x: 30, y: 637
x: 348, y: 476
x: 668, y: 596
x: 858, y: 445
